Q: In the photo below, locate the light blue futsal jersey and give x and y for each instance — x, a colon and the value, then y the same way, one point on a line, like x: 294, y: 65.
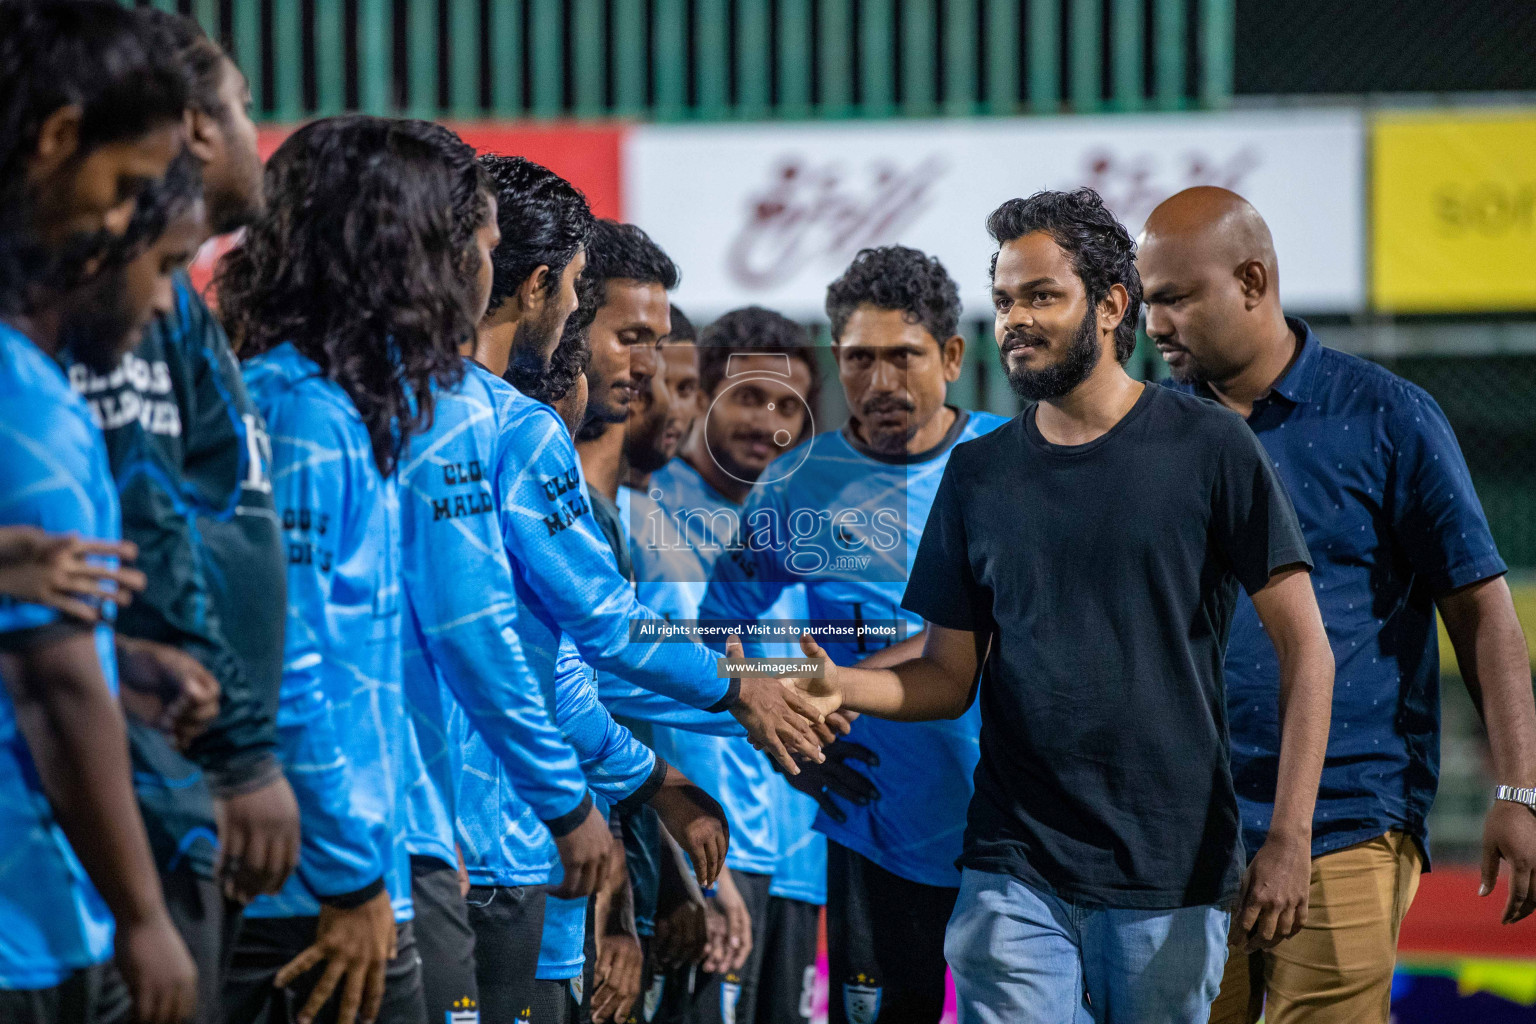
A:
x: 54, y: 475
x: 343, y: 733
x: 740, y: 777
x: 847, y: 525
x: 462, y: 645
x: 642, y: 709
x: 621, y: 770
x: 617, y: 766
x: 567, y: 584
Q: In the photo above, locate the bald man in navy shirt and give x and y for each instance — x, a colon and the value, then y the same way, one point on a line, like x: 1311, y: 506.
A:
x: 1396, y: 533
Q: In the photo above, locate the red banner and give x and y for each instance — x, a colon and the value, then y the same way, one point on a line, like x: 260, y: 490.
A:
x: 587, y: 155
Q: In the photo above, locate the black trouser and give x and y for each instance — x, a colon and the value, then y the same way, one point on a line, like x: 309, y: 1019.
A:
x: 644, y: 847
x: 94, y: 995
x: 208, y: 923
x: 445, y: 941
x: 885, y: 942
x: 267, y: 943
x: 553, y: 1003
x: 508, y: 923
x: 787, y: 983
x: 692, y: 997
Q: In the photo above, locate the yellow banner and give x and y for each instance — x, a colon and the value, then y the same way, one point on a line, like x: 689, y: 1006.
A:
x: 1453, y: 212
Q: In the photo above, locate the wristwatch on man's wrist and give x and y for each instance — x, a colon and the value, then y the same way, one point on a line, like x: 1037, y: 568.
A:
x: 1517, y: 794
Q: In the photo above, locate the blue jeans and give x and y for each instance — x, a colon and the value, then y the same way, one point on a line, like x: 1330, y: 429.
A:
x: 1020, y: 956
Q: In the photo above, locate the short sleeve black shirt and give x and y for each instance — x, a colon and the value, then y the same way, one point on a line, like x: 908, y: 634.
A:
x: 1105, y: 575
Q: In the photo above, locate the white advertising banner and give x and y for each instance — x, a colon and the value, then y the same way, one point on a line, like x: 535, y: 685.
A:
x: 770, y: 214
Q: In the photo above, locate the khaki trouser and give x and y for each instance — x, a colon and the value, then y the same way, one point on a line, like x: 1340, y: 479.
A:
x: 1338, y: 969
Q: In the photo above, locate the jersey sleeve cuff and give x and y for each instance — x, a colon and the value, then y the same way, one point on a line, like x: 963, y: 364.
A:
x: 649, y: 788
x: 245, y: 775
x: 356, y: 898
x: 566, y: 824
x: 732, y: 695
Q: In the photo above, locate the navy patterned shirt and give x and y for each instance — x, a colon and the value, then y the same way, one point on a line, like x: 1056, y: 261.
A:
x: 1393, y: 523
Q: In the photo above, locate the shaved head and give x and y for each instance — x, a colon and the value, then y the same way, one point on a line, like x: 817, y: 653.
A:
x: 1211, y: 281
x: 1214, y: 224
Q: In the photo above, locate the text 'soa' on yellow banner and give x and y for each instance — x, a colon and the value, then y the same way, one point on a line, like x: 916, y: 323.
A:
x: 1453, y: 212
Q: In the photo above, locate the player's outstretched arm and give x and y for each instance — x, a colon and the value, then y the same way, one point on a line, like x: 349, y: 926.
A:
x: 1273, y: 905
x: 936, y: 684
x: 779, y: 721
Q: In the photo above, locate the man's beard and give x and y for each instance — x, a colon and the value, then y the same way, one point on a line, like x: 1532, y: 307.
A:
x: 96, y: 328
x: 600, y: 403
x: 1060, y: 378
x: 643, y: 447
x: 527, y: 367
x: 890, y: 440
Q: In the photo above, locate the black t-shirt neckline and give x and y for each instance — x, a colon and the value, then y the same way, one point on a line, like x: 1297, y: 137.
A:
x: 1037, y: 439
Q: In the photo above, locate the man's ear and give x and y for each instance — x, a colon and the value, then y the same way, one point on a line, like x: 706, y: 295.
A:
x: 204, y: 138
x: 1112, y: 307
x: 1254, y: 279
x: 952, y: 352
x: 533, y: 293
x: 59, y: 137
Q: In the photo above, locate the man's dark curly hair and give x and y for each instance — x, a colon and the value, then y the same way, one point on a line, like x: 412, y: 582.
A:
x: 1101, y: 250
x: 754, y: 330
x: 358, y: 261
x: 615, y: 252
x: 92, y: 53
x: 95, y: 55
x: 201, y: 57
x: 682, y: 328
x: 471, y: 187
x: 618, y: 251
x: 897, y: 278
x: 544, y: 222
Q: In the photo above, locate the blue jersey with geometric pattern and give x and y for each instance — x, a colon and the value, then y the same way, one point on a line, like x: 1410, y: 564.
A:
x: 641, y: 708
x: 846, y: 525
x: 568, y: 583
x: 618, y: 765
x: 615, y: 764
x: 462, y: 638
x: 343, y: 733
x: 562, y: 945
x: 727, y: 767
x: 55, y: 476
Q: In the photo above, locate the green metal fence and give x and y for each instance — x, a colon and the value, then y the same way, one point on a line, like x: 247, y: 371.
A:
x: 723, y: 59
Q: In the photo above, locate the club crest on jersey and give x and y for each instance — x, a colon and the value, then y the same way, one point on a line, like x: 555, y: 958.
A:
x: 464, y: 1012
x: 652, y: 1001
x: 861, y: 1002
x: 730, y: 995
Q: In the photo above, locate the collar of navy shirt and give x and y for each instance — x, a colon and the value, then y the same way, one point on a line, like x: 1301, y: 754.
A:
x: 1296, y: 384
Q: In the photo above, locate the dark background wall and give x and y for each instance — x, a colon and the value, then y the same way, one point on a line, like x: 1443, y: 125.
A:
x: 1364, y: 46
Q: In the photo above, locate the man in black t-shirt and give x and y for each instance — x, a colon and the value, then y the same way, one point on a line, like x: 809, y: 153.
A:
x: 1084, y: 559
